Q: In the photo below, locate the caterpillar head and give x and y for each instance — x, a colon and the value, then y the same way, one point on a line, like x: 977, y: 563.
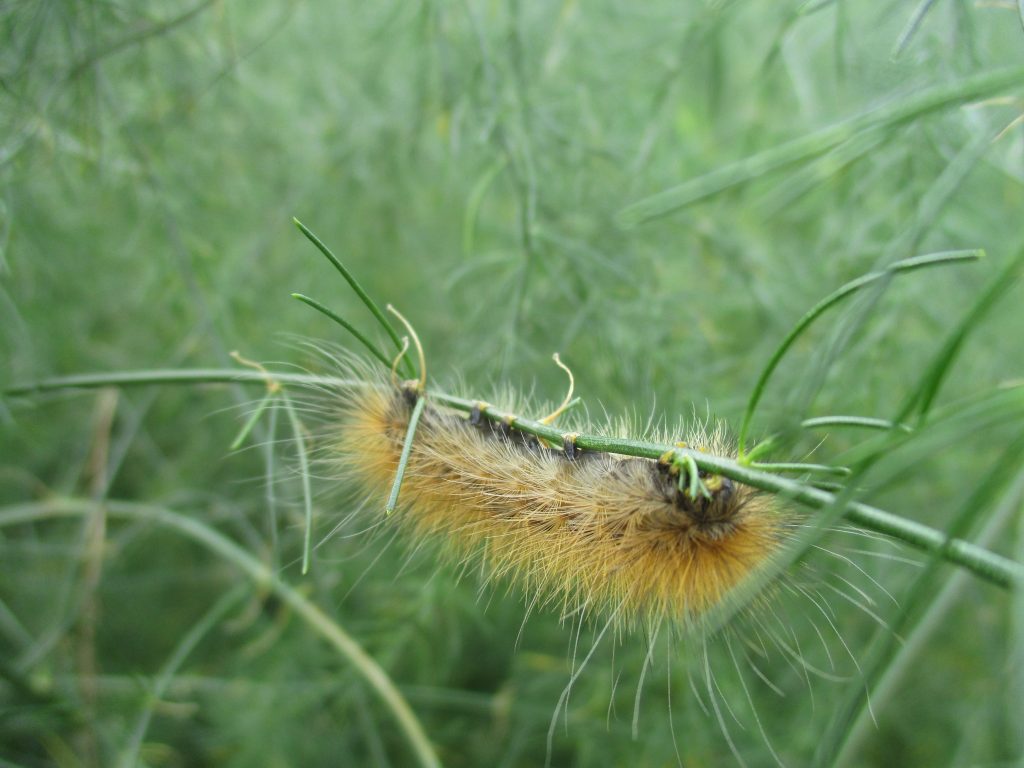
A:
x: 712, y: 510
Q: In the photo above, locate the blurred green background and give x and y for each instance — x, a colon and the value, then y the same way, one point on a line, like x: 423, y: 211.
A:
x: 478, y: 164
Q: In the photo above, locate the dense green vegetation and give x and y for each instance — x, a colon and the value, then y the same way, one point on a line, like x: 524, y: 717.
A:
x: 658, y: 191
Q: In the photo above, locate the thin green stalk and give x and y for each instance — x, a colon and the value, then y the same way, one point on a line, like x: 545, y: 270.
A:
x: 897, y: 111
x: 370, y: 346
x: 360, y: 292
x: 796, y: 466
x: 854, y: 421
x: 886, y: 644
x: 251, y: 422
x: 763, y: 448
x: 129, y: 757
x: 403, y: 461
x: 936, y: 600
x: 263, y: 577
x: 307, y: 493
x: 269, y: 483
x: 899, y: 267
x: 931, y: 204
x: 924, y: 396
x: 473, y: 203
x: 172, y: 376
x: 986, y: 565
x: 944, y: 431
x: 799, y: 183
x: 913, y: 24
x: 923, y: 392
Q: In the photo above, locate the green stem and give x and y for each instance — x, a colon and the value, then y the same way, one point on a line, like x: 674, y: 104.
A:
x: 795, y: 466
x: 899, y: 267
x: 172, y: 376
x: 897, y: 111
x: 866, y: 422
x: 263, y: 577
x: 922, y: 399
x: 307, y: 494
x: 130, y: 755
x: 251, y: 422
x: 986, y: 565
x: 403, y: 461
x: 370, y: 346
x: 360, y: 292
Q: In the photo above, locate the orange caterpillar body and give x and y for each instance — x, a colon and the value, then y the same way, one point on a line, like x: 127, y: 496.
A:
x: 592, y: 532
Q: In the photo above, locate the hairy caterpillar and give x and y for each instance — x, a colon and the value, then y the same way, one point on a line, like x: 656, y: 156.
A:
x: 587, y: 531
x: 595, y: 534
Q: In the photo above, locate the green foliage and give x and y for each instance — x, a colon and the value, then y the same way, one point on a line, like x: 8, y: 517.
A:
x: 659, y: 192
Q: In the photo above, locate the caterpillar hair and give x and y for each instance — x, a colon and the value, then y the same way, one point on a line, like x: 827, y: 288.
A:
x: 638, y: 543
x: 636, y: 538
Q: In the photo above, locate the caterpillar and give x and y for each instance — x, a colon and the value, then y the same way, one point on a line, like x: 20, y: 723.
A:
x: 587, y: 531
x: 594, y: 534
